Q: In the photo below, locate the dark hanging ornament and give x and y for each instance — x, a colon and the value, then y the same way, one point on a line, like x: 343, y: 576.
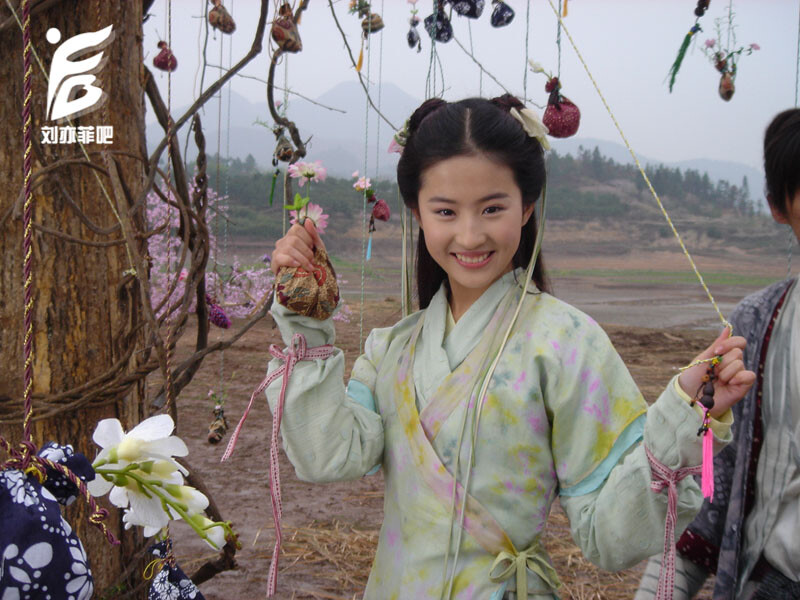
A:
x: 472, y: 9
x: 371, y: 24
x: 218, y: 427
x: 726, y: 86
x: 438, y: 25
x: 701, y: 8
x: 219, y: 18
x: 561, y: 117
x: 284, y: 30
x: 283, y: 149
x: 412, y: 37
x: 165, y: 60
x: 502, y: 14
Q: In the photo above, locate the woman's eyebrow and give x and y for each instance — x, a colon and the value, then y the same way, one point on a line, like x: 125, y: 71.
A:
x: 488, y: 198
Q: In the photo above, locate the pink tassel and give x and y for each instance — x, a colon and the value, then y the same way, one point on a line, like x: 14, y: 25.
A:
x: 707, y: 476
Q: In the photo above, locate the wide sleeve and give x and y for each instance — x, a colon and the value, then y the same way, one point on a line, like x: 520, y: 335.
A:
x: 330, y: 433
x: 601, y: 426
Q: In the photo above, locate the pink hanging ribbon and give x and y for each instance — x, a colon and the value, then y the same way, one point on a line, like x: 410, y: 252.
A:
x: 707, y: 476
x: 296, y: 352
x: 664, y: 477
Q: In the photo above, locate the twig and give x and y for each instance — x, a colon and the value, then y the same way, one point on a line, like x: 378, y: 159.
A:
x: 279, y: 88
x: 255, y: 49
x: 353, y: 60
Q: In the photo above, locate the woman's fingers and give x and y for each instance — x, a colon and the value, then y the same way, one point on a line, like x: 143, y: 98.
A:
x: 726, y: 373
x: 311, y: 230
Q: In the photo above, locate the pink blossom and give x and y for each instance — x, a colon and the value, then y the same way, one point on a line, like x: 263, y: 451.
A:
x: 381, y: 210
x: 755, y: 46
x: 395, y: 147
x: 710, y: 42
x: 354, y: 175
x: 313, y: 212
x: 362, y: 184
x: 307, y: 171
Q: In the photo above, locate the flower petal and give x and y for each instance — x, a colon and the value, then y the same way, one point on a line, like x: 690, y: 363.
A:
x: 165, y: 448
x: 159, y: 426
x: 99, y: 486
x: 108, y: 432
x: 147, y: 511
x: 119, y: 496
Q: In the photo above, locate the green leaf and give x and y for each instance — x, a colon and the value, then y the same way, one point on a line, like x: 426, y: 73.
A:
x: 299, y: 202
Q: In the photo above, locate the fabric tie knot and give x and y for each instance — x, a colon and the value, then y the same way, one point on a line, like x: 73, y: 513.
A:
x: 518, y: 563
x: 664, y: 477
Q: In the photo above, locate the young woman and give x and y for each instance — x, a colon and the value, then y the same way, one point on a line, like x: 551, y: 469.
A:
x: 470, y: 481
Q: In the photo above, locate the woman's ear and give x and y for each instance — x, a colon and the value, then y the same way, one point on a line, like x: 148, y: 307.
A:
x: 526, y: 213
x: 415, y: 212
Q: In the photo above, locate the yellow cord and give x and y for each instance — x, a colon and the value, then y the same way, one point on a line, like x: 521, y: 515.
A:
x: 644, y: 175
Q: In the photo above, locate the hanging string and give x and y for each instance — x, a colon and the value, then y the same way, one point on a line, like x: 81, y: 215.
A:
x: 170, y: 406
x: 27, y: 219
x: 558, y: 38
x: 225, y: 224
x: 284, y: 108
x: 797, y: 59
x: 380, y: 91
x: 364, y: 225
x: 527, y: 53
x: 792, y: 241
x: 642, y: 171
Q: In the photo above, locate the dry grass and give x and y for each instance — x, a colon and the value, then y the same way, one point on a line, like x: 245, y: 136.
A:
x: 337, y: 555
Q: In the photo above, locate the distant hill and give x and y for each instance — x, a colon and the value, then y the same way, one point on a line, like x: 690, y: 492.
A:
x: 337, y: 138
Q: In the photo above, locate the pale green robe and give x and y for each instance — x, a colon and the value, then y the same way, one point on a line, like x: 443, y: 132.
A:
x: 562, y: 417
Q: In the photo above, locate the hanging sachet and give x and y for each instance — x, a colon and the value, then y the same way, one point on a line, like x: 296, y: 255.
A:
x: 313, y: 294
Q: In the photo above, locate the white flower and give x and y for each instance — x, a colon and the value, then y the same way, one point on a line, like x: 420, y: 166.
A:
x: 535, y: 66
x: 215, y: 532
x: 532, y: 124
x: 149, y: 442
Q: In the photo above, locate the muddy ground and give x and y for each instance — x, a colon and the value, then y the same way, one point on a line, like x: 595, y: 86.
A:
x: 331, y: 529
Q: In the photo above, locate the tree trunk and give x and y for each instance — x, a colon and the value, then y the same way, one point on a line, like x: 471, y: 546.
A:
x: 87, y: 312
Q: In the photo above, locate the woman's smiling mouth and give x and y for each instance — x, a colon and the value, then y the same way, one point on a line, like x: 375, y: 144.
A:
x: 472, y: 259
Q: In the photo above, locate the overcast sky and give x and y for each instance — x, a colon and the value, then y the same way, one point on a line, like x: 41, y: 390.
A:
x: 628, y: 45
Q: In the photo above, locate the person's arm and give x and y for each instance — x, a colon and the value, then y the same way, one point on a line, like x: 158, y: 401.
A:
x: 689, y: 579
x: 329, y: 433
x: 621, y: 522
x: 601, y: 440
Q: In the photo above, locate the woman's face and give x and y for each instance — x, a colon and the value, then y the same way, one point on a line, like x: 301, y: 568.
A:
x: 470, y: 209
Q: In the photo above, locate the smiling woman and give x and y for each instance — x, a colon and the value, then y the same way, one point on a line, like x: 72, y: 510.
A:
x: 496, y: 397
x: 470, y: 210
x: 472, y: 152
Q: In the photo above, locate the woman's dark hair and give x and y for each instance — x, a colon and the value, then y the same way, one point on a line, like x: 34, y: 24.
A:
x: 439, y: 130
x: 782, y: 159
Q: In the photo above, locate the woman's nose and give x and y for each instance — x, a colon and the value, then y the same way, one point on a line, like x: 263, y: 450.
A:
x: 471, y: 234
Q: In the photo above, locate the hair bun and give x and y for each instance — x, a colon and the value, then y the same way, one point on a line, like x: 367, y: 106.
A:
x: 507, y: 102
x: 423, y: 110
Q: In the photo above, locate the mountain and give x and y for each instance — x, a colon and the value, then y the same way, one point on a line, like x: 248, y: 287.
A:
x: 717, y: 170
x: 337, y: 136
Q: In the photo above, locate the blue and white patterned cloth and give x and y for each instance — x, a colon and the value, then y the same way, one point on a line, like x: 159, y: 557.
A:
x: 40, y: 555
x: 170, y: 583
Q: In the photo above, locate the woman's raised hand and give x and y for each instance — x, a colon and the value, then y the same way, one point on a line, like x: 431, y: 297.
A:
x: 732, y: 380
x: 296, y: 248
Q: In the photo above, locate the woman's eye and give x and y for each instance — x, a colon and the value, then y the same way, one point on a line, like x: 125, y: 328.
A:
x: 490, y: 210
x: 445, y: 212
